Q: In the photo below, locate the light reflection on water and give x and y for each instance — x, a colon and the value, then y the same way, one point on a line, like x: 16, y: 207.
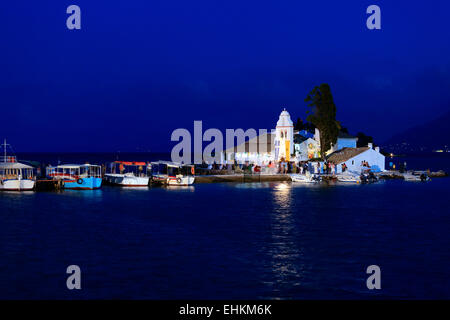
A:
x: 179, y: 188
x: 16, y: 193
x: 83, y: 193
x: 282, y: 195
x: 91, y: 195
x: 284, y: 251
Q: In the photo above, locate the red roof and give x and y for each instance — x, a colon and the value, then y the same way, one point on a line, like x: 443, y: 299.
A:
x: 131, y: 163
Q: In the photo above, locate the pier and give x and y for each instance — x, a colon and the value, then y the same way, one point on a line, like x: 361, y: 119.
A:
x: 49, y: 185
x: 391, y: 174
x: 242, y: 178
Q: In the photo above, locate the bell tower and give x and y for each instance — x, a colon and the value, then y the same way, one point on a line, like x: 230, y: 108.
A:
x: 284, y: 136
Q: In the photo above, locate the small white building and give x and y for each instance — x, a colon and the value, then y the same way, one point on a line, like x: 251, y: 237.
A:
x: 307, y: 149
x: 344, y: 140
x: 354, y: 157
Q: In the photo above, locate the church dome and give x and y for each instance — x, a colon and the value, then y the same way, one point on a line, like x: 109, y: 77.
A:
x: 285, y: 120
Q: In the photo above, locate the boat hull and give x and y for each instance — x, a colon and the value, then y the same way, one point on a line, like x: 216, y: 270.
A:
x: 348, y: 178
x: 126, y: 181
x: 415, y: 178
x: 184, y: 181
x: 17, y: 185
x: 303, y: 178
x: 90, y: 183
x: 174, y: 181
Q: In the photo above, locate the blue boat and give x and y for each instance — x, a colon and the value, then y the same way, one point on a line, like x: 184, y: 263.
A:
x: 77, y: 176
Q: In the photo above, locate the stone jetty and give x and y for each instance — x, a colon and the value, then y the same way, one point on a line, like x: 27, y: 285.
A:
x: 393, y: 174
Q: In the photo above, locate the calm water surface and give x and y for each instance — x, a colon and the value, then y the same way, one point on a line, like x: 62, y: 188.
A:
x: 240, y: 241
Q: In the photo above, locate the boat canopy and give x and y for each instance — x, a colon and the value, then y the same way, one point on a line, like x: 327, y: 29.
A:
x: 128, y: 166
x: 171, y: 168
x: 168, y: 163
x: 73, y: 171
x: 75, y: 166
x: 131, y: 163
x: 14, y: 165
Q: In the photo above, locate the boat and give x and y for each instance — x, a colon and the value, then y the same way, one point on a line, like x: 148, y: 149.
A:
x: 416, y: 178
x: 172, y: 174
x: 348, y: 177
x: 77, y: 176
x: 368, y: 176
x: 305, y: 178
x: 130, y: 174
x: 15, y: 176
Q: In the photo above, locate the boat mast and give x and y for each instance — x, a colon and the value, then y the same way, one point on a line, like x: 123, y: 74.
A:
x: 4, y: 148
x: 5, y: 145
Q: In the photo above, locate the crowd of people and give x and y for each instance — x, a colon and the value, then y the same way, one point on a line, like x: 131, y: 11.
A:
x: 272, y: 167
x: 304, y: 167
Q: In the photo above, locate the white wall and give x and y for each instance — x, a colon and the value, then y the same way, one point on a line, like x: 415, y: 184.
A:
x: 375, y: 159
x: 303, y: 149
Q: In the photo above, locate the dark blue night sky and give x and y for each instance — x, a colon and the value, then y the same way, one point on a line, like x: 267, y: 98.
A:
x: 137, y: 70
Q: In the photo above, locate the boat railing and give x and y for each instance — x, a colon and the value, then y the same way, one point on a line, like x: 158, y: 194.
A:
x: 61, y: 175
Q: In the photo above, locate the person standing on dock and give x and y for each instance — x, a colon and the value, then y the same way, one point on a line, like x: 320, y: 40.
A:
x: 333, y: 168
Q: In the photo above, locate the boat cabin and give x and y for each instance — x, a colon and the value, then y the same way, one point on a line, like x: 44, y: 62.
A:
x: 15, y: 170
x: 171, y: 169
x: 172, y: 173
x: 138, y: 169
x: 15, y: 175
x: 74, y: 171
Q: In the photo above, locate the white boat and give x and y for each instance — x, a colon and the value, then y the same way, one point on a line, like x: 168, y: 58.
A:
x: 348, y: 177
x: 410, y: 177
x: 129, y: 174
x: 416, y: 178
x: 15, y: 176
x: 305, y: 178
x: 126, y: 180
x: 368, y: 176
x: 172, y: 174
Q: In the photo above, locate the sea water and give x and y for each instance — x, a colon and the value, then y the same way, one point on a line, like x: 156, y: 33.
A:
x: 232, y: 240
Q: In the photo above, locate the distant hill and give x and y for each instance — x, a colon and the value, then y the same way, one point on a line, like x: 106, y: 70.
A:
x: 433, y: 135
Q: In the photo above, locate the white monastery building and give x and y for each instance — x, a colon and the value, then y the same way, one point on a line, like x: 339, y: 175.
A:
x: 284, y: 143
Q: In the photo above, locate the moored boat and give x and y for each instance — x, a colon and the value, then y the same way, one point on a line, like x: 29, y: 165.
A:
x: 368, y: 176
x: 77, y: 176
x: 15, y: 176
x: 416, y: 177
x: 348, y: 177
x: 305, y: 178
x: 172, y: 174
x: 128, y: 174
